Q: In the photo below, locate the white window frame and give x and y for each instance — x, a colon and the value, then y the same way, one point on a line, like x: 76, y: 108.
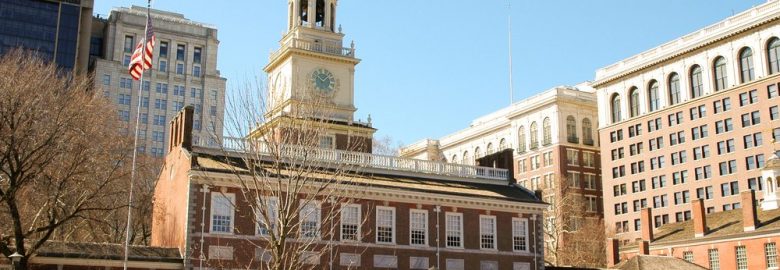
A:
x: 318, y: 211
x: 447, y: 229
x: 393, y: 227
x: 331, y: 137
x: 270, y: 201
x: 523, y: 221
x: 482, y: 232
x: 358, y: 222
x: 232, y: 198
x: 572, y: 162
x: 425, y: 226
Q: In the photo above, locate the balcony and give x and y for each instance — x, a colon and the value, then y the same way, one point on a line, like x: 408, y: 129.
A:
x: 367, y: 160
x: 312, y: 46
x: 573, y: 139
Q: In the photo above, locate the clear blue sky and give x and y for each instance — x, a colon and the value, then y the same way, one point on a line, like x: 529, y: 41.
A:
x: 431, y: 66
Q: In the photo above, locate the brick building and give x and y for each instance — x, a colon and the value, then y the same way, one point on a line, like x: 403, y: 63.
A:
x: 73, y: 255
x: 430, y: 214
x: 694, y: 118
x: 553, y: 148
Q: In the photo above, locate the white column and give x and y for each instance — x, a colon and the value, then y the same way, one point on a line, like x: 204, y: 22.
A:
x: 312, y: 12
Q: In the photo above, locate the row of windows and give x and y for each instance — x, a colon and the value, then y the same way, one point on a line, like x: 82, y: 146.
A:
x: 162, y: 88
x: 310, y: 216
x: 572, y: 159
x: 162, y: 55
x: 571, y: 133
x: 696, y: 82
x: 741, y: 255
x: 573, y: 180
x: 490, y: 149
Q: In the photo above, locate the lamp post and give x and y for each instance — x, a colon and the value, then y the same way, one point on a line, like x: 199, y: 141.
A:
x: 15, y: 259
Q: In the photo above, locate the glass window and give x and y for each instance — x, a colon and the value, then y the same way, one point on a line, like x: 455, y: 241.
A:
x: 222, y: 210
x: 163, y: 67
x: 674, y: 89
x: 129, y: 44
x: 196, y: 71
x: 571, y: 129
x: 350, y: 223
x: 633, y: 102
x: 267, y: 215
x: 179, y: 68
x: 418, y: 227
x: 180, y: 52
x: 310, y: 220
x: 163, y: 49
x: 454, y: 230
x: 385, y: 225
x: 770, y: 251
x: 746, y: 65
x: 587, y: 132
x: 519, y: 234
x: 654, y: 98
x: 196, y: 55
x: 741, y: 258
x: 615, y: 108
x: 773, y: 55
x: 547, y: 131
x: 721, y: 75
x: 697, y: 85
x: 487, y: 232
x: 521, y: 139
x: 534, y: 136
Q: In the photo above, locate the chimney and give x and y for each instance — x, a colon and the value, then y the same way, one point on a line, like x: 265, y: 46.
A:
x: 749, y: 218
x: 647, y: 224
x: 613, y: 252
x: 699, y: 220
x: 180, y: 131
x: 644, y: 247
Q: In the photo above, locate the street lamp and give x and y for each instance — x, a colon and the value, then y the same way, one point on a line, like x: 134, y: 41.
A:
x: 15, y: 258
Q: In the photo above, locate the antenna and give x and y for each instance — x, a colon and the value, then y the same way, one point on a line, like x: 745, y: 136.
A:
x: 511, y: 83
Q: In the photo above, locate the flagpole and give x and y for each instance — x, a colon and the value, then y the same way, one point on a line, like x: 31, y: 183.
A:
x: 135, y: 143
x: 511, y: 83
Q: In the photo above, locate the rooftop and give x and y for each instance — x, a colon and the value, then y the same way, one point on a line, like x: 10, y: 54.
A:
x: 648, y: 262
x: 161, y: 15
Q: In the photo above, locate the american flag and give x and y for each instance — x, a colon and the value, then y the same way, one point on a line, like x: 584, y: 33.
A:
x: 142, y: 56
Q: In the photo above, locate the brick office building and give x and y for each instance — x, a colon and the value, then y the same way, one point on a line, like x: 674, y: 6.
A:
x: 691, y: 119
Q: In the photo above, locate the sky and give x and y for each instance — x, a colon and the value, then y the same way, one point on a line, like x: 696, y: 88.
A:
x: 429, y: 67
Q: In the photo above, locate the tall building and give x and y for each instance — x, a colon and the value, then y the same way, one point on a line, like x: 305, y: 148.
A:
x: 398, y: 213
x: 552, y: 147
x: 184, y: 72
x: 57, y: 30
x: 694, y: 118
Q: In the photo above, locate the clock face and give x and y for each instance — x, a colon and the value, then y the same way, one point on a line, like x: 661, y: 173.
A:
x: 323, y: 81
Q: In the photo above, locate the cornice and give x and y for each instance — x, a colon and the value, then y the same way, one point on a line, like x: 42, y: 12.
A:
x: 289, y: 52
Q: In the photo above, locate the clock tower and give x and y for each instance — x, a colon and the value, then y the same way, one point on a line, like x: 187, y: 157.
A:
x: 311, y: 79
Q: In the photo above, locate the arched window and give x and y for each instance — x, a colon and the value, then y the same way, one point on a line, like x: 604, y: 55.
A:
x: 674, y: 89
x: 466, y: 158
x: 502, y: 144
x: 773, y: 53
x: 633, y: 102
x: 454, y: 159
x: 332, y: 17
x: 697, y: 83
x: 653, y: 97
x: 719, y: 70
x: 534, y: 136
x: 304, y: 11
x: 746, y: 65
x: 571, y: 129
x: 615, y: 108
x: 547, y: 132
x: 319, y: 20
x: 477, y: 153
x: 490, y: 149
x: 521, y: 139
x: 587, y: 132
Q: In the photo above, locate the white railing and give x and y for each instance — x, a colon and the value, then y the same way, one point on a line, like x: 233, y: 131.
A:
x: 360, y: 159
x: 307, y: 45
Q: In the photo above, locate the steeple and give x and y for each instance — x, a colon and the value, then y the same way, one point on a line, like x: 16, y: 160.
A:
x: 319, y: 14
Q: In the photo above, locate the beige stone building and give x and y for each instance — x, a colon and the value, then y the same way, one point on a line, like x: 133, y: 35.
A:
x: 549, y: 144
x: 694, y: 118
x: 184, y: 73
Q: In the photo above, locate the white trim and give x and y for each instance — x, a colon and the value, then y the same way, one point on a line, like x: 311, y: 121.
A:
x: 460, y: 228
x: 232, y: 198
x: 376, y: 223
x: 481, y: 232
x: 274, y: 221
x: 425, y: 222
x: 359, y: 223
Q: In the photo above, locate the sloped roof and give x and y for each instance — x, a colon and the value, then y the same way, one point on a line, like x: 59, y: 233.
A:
x: 649, y: 262
x: 429, y: 183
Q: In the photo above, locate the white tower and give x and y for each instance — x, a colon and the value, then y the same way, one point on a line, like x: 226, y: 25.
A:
x: 312, y: 75
x: 769, y: 174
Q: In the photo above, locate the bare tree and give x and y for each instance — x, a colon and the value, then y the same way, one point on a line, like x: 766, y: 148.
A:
x: 386, y: 146
x: 288, y: 175
x: 60, y: 152
x: 572, y: 236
